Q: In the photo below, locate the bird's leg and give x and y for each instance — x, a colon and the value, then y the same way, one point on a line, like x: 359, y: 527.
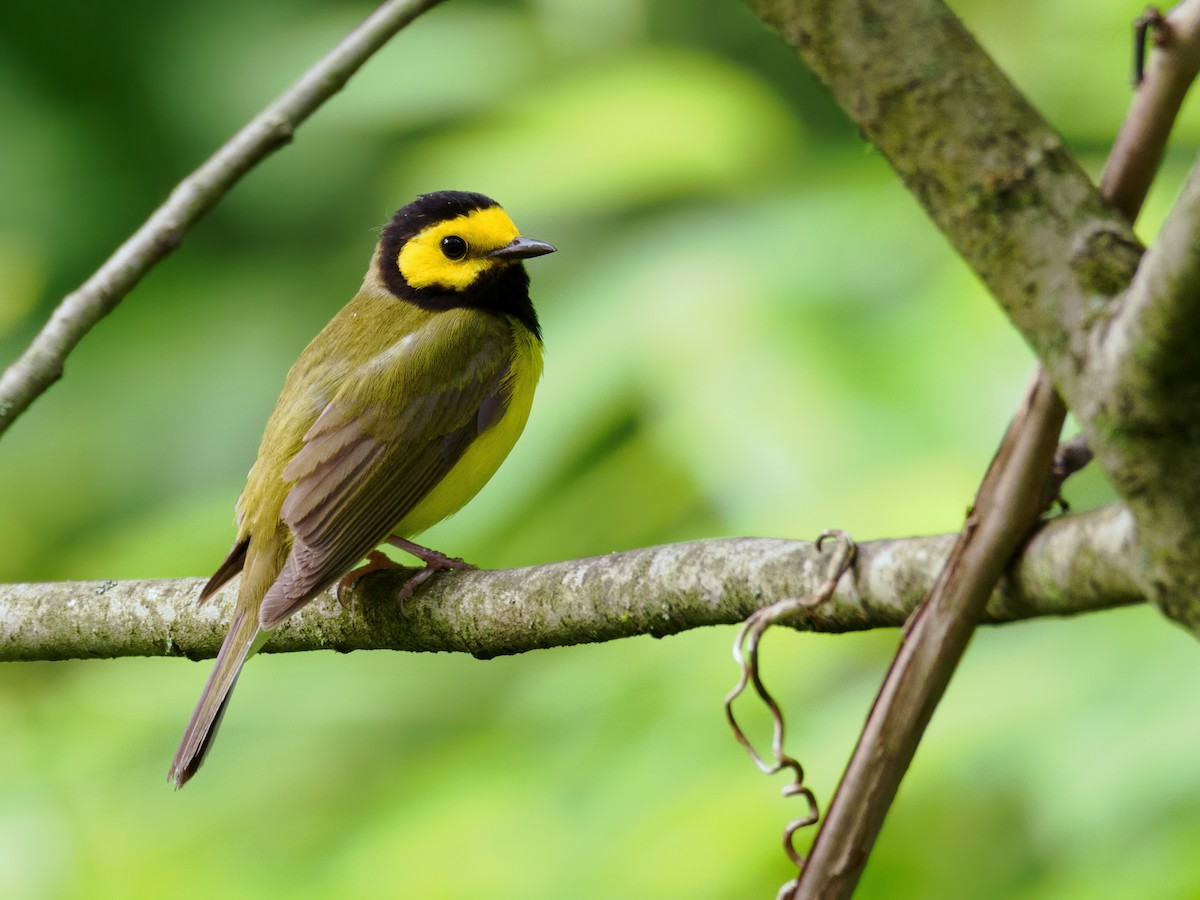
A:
x: 434, y: 562
x: 376, y: 562
x: 427, y: 556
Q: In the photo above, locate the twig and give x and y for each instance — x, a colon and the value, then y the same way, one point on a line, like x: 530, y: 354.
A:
x: 1165, y: 82
x: 1007, y: 505
x: 1070, y: 456
x: 1075, y: 564
x: 42, y: 362
x: 1148, y: 22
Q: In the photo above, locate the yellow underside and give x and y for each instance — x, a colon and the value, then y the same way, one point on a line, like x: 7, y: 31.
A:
x: 489, y: 450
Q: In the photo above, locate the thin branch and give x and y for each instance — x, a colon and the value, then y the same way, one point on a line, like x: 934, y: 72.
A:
x: 1009, y: 502
x: 42, y: 362
x: 1079, y: 563
x: 1138, y: 149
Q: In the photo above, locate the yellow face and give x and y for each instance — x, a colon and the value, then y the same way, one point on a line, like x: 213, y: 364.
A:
x: 453, y: 254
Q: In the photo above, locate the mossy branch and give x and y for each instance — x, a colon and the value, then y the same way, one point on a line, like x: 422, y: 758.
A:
x: 1075, y: 564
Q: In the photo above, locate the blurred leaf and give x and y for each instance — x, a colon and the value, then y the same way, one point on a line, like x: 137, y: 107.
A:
x: 634, y: 130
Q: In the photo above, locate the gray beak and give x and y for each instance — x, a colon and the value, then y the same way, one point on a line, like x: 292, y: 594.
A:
x: 522, y: 248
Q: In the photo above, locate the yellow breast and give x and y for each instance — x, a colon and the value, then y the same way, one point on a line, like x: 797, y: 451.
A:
x: 485, y: 454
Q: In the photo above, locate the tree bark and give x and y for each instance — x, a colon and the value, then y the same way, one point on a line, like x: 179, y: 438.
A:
x: 1075, y: 564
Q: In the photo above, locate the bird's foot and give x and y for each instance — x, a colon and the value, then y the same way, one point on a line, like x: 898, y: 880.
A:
x: 434, y: 562
x: 376, y: 562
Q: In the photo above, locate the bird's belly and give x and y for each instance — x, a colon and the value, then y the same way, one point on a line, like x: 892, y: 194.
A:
x: 485, y: 454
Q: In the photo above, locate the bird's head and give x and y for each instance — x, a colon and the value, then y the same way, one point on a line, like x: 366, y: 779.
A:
x: 450, y: 242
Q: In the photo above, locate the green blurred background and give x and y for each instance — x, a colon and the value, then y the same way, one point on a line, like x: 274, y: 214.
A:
x: 751, y: 329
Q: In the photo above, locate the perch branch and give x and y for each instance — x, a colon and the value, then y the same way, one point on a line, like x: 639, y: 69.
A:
x: 42, y: 362
x: 1075, y: 564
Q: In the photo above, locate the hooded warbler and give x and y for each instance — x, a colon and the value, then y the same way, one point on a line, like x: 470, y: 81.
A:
x: 395, y: 415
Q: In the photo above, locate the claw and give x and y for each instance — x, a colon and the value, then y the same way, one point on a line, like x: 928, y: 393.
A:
x: 376, y: 561
x: 434, y: 562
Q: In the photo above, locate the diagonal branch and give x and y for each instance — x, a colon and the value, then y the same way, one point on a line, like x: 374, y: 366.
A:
x: 42, y: 362
x: 1075, y: 564
x: 1007, y: 505
x: 1139, y: 147
x: 990, y: 172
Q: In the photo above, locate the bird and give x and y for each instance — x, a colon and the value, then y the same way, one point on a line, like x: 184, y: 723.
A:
x: 393, y: 417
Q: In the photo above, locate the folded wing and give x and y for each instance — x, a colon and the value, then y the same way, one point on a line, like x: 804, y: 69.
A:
x: 389, y: 435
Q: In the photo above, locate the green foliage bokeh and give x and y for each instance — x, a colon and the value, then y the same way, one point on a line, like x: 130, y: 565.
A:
x: 751, y: 329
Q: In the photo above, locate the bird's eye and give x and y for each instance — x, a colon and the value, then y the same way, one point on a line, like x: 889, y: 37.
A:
x: 454, y: 247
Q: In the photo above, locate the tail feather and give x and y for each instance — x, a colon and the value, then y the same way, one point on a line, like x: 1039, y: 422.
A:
x: 234, y: 563
x: 243, y: 639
